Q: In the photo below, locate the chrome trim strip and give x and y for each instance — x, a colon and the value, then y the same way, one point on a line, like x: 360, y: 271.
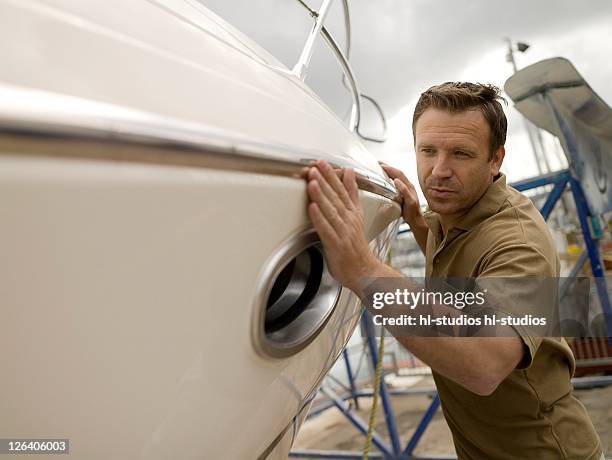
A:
x: 44, y: 123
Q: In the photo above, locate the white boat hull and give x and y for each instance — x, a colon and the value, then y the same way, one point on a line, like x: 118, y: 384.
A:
x: 127, y: 308
x: 128, y: 280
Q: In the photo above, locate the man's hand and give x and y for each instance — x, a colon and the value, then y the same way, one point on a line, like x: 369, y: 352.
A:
x: 337, y: 216
x: 411, y: 209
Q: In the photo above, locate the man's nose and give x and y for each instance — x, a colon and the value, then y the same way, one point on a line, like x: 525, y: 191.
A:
x: 442, y: 167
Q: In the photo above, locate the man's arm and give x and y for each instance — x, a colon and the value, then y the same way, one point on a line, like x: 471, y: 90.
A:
x: 479, y: 364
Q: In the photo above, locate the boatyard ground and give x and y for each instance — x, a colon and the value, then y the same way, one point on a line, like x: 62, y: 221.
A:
x: 331, y: 431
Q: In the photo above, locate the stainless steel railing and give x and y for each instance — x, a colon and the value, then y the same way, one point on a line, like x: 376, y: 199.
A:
x: 300, y: 69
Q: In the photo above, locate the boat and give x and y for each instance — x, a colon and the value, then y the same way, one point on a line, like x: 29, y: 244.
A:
x: 553, y: 96
x: 164, y: 294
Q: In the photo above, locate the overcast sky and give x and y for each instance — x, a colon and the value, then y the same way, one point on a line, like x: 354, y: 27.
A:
x: 401, y: 47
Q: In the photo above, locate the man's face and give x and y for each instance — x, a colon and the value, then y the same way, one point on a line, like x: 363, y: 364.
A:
x: 452, y: 152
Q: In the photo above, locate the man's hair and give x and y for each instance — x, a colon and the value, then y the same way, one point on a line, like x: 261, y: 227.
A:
x: 461, y: 96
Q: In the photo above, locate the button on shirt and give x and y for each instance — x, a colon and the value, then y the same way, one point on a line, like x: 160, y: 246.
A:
x: 532, y: 414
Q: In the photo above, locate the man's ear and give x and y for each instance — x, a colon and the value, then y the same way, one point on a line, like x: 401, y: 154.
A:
x: 497, y: 160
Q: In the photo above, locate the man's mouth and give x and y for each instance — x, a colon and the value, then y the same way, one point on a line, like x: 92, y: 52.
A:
x: 441, y: 192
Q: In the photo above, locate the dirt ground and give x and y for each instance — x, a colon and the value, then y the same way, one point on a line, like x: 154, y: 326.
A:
x: 331, y: 431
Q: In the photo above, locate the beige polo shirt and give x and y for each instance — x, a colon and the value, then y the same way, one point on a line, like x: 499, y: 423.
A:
x: 532, y: 414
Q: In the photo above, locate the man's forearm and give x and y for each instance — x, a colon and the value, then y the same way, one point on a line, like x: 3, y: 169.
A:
x: 477, y: 363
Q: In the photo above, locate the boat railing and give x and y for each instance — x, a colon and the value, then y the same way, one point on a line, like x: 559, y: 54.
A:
x: 300, y: 69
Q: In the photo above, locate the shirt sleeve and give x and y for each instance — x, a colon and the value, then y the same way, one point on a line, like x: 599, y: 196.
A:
x: 522, y: 283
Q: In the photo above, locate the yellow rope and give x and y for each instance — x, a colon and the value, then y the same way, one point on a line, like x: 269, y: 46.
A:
x: 377, y: 379
x: 376, y: 392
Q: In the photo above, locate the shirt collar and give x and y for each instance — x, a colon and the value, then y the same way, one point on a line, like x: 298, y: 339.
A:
x: 486, y: 206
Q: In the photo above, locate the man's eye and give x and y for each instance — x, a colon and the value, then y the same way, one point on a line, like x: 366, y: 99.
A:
x: 461, y: 154
x: 427, y: 151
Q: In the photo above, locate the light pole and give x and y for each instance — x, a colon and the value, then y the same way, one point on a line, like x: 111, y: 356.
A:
x: 532, y: 132
x: 520, y: 46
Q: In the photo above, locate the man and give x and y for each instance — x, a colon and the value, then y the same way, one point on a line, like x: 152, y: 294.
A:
x: 503, y: 397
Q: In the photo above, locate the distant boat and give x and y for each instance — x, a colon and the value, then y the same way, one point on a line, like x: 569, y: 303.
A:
x: 163, y: 292
x: 555, y: 97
